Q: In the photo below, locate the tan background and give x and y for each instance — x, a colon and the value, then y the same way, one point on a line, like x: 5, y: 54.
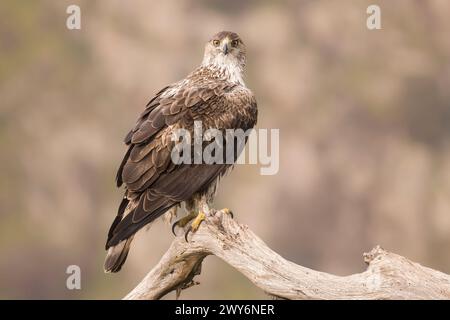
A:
x: 364, y: 119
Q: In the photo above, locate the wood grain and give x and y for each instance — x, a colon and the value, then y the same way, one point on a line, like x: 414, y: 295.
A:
x: 388, y: 276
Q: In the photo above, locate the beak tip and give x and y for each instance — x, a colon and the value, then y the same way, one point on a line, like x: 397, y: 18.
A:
x: 225, y: 49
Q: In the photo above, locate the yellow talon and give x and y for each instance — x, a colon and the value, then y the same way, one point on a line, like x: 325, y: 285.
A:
x: 197, y: 221
x: 183, y: 221
x: 228, y: 211
x: 195, y: 224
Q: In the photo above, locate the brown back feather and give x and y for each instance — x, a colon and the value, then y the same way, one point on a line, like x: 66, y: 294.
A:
x: 150, y: 177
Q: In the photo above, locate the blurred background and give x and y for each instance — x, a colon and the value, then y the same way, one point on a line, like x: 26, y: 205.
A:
x: 364, y: 119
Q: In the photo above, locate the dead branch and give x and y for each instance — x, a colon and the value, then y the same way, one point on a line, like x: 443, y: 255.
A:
x: 388, y: 276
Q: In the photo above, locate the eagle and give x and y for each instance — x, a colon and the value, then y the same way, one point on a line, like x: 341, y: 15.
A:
x: 214, y: 94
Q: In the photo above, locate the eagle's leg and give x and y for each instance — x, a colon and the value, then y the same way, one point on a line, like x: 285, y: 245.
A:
x: 181, y: 223
x: 197, y: 221
x: 202, y: 205
x: 203, y: 212
x: 195, y: 224
x: 228, y: 211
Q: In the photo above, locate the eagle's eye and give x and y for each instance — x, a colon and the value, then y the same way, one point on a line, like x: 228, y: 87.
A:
x: 216, y: 42
x: 234, y: 43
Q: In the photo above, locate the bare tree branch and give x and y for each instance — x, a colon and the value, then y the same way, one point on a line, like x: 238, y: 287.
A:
x: 388, y: 276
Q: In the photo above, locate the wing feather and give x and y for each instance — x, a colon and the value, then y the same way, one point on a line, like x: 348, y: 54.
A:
x: 153, y: 182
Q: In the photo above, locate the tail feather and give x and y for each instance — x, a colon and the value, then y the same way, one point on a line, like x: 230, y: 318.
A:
x: 124, y: 227
x: 116, y: 256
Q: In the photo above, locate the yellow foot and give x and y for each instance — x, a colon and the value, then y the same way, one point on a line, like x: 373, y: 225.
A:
x: 195, y: 224
x: 183, y: 221
x: 228, y: 211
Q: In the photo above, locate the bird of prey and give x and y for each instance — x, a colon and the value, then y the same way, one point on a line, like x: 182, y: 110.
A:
x: 215, y: 94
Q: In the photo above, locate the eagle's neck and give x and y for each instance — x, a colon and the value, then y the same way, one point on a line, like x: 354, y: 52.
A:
x: 225, y: 67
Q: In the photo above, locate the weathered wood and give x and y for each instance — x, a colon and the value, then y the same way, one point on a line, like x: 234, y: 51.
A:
x: 388, y: 276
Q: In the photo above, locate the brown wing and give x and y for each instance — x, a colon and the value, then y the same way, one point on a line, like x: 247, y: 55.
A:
x: 152, y: 181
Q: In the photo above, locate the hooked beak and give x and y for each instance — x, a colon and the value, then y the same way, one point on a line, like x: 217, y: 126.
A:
x: 226, y: 48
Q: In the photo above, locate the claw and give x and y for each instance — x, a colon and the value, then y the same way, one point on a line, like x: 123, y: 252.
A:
x: 183, y: 221
x: 228, y: 211
x: 186, y: 234
x: 195, y: 224
x: 173, y: 228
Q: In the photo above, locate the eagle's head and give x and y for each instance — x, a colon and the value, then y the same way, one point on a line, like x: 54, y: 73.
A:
x: 225, y: 50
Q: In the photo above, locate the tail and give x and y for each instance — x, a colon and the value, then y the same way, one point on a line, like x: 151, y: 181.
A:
x: 125, y: 226
x: 116, y: 256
